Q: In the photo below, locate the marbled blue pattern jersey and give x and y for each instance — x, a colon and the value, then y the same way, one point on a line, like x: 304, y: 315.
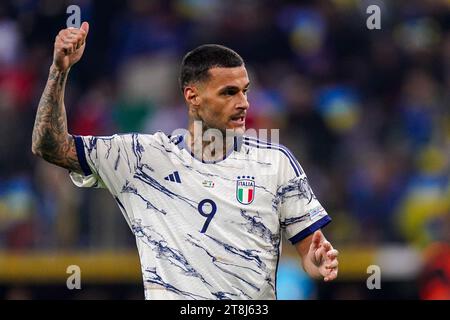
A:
x: 203, y: 230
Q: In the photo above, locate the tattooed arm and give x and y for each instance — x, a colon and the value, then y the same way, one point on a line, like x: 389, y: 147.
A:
x: 51, y: 140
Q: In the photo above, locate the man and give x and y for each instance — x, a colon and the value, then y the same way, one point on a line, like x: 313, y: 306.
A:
x: 207, y: 221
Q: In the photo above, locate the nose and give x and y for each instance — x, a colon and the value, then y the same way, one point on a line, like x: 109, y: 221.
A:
x: 243, y: 102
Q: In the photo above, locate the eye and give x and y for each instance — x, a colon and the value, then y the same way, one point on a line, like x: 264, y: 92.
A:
x: 229, y: 92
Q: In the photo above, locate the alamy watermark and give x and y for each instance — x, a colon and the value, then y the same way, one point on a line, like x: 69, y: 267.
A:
x: 374, y: 280
x: 74, y: 280
x: 214, y: 145
x: 374, y: 20
x: 74, y: 20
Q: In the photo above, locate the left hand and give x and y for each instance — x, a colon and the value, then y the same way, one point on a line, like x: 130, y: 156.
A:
x: 324, y: 256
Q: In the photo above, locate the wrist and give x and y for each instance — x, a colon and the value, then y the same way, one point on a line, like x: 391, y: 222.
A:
x: 57, y: 70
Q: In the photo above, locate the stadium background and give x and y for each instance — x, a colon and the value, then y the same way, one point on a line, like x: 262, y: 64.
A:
x: 366, y: 112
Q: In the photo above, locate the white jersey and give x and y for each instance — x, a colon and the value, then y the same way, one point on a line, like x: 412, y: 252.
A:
x: 203, y: 230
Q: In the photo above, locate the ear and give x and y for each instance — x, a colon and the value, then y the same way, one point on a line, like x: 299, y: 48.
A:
x: 191, y: 95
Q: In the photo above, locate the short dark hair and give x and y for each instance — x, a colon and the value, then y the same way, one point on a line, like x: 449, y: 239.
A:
x: 196, y: 63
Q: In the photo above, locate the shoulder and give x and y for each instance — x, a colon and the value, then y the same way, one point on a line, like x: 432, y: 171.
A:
x: 140, y: 141
x: 136, y: 137
x: 273, y: 150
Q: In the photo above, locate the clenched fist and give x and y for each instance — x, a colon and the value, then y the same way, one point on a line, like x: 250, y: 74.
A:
x: 69, y: 46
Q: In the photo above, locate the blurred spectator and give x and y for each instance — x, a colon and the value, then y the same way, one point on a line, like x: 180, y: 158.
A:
x: 426, y: 198
x: 435, y: 281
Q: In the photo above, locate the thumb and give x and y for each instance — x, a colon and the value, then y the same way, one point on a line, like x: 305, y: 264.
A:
x: 316, y: 240
x: 85, y: 27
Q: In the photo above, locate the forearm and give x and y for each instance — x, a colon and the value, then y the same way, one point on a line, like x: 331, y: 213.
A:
x: 50, y: 126
x: 51, y: 140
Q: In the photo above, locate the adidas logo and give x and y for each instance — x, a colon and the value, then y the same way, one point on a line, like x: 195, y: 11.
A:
x: 174, y: 177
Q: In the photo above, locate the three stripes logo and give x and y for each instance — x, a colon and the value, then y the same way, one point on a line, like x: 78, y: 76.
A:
x: 174, y: 177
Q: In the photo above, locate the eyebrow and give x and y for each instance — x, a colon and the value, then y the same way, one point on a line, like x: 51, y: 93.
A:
x: 233, y: 87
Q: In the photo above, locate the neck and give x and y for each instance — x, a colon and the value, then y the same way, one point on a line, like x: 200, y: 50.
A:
x: 208, y: 144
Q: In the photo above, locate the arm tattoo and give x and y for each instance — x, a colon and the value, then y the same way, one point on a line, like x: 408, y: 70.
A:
x: 51, y: 140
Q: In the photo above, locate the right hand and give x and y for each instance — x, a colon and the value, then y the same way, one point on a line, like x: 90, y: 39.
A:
x: 69, y: 46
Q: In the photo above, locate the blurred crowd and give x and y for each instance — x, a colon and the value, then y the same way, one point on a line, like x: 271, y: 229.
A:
x: 366, y: 112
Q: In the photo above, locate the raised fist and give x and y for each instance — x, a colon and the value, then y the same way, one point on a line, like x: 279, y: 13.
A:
x: 69, y: 46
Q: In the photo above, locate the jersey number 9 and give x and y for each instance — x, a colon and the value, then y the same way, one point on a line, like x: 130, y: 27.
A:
x: 207, y: 208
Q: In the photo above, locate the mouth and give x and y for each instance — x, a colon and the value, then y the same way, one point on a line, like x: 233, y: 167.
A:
x: 238, y: 120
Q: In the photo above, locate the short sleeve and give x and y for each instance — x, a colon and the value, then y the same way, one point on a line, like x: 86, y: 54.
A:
x: 301, y: 214
x: 103, y: 160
